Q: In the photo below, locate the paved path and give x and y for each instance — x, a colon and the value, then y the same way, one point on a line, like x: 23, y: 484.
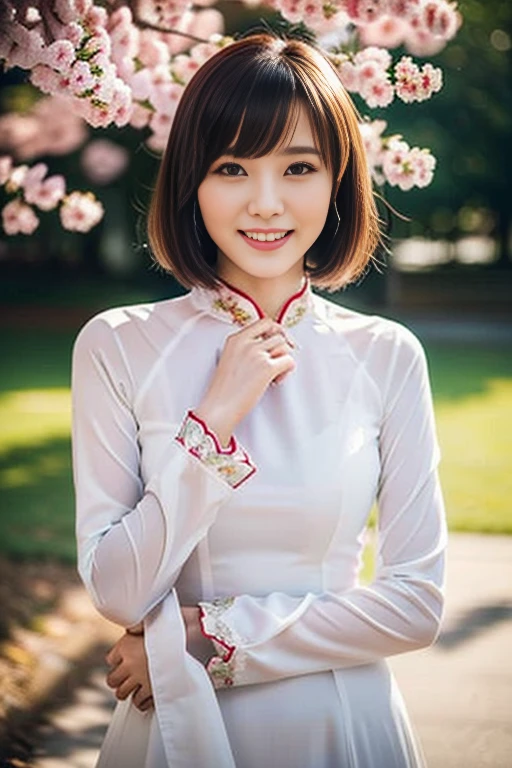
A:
x: 459, y: 693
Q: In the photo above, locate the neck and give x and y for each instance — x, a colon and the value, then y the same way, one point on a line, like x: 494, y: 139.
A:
x: 269, y: 293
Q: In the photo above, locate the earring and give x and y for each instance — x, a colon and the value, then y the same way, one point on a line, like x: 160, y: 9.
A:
x: 337, y: 220
x: 197, y: 226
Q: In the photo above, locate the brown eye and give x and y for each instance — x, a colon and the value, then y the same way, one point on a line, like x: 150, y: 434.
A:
x: 229, y: 169
x: 300, y: 169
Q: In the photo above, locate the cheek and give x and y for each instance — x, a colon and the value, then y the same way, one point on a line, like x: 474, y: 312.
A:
x: 217, y: 205
x: 315, y: 205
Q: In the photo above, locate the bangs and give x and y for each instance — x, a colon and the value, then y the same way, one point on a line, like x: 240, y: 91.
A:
x: 259, y: 116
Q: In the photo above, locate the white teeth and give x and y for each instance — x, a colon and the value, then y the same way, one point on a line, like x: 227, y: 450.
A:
x: 263, y: 238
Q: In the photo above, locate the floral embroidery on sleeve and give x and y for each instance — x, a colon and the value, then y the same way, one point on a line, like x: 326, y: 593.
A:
x: 224, y: 667
x: 232, y: 464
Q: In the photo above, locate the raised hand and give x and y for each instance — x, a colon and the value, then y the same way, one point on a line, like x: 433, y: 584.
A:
x: 251, y: 360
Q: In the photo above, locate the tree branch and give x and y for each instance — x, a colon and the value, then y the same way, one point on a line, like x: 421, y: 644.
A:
x: 143, y: 24
x: 166, y: 30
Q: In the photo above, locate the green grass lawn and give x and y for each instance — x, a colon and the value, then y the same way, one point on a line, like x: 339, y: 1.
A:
x: 473, y: 396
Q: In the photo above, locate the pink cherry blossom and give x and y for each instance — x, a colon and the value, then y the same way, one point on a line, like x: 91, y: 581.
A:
x: 73, y: 32
x: 141, y: 84
x: 45, y: 78
x: 348, y: 72
x: 81, y: 78
x: 66, y: 11
x: 166, y: 97
x: 50, y: 127
x: 422, y: 43
x: 440, y: 18
x: 104, y: 89
x: 152, y: 51
x: 60, y: 55
x: 99, y: 44
x: 379, y: 56
x: 397, y: 168
x: 80, y: 212
x: 103, y: 161
x: 371, y: 132
x: 415, y: 84
x: 379, y: 92
x: 18, y: 218
x: 403, y: 9
x: 424, y: 164
x: 48, y: 194
x: 122, y: 104
x: 388, y: 32
x: 96, y: 17
x: 164, y: 14
x: 125, y: 41
x: 184, y: 68
x: 405, y: 167
x: 291, y: 10
x: 16, y: 178
x: 140, y: 116
x: 203, y: 24
x: 364, y: 11
x: 33, y: 177
x: 29, y: 49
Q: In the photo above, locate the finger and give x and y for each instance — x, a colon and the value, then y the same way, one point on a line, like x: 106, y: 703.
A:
x: 146, y: 705
x: 264, y: 327
x: 124, y: 690
x: 113, y: 657
x: 142, y: 694
x: 282, y: 365
x: 276, y: 345
x: 137, y: 629
x: 117, y: 676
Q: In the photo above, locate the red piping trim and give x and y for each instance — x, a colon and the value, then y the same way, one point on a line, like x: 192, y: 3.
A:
x: 259, y: 311
x: 229, y: 451
x: 230, y: 649
x: 232, y: 442
x: 245, y: 296
x: 251, y: 473
x: 285, y: 306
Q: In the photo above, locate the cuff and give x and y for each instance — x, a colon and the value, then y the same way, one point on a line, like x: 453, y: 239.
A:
x: 231, y: 464
x: 223, y: 667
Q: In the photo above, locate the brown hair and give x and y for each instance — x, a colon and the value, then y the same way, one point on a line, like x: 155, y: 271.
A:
x: 251, y: 90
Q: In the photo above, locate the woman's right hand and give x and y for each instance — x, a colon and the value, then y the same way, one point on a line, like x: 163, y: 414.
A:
x: 252, y: 358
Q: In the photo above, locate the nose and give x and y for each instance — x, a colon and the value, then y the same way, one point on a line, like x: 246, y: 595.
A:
x: 265, y: 200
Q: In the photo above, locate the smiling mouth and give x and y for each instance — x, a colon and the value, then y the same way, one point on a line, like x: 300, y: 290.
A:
x: 263, y: 237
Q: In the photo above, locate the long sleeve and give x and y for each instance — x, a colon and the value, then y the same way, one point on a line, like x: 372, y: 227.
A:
x: 133, y: 538
x: 263, y: 639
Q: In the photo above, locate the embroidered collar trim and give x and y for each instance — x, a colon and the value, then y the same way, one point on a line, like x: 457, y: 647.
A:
x: 234, y: 306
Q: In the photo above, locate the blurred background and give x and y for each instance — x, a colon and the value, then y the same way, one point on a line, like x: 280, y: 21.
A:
x: 448, y: 277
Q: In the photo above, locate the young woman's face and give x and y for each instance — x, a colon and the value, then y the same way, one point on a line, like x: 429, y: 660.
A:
x: 248, y: 205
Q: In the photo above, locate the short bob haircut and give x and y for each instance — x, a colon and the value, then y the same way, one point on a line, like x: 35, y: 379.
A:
x: 251, y: 90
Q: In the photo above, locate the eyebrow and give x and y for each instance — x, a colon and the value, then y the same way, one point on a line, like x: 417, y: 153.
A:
x: 297, y: 150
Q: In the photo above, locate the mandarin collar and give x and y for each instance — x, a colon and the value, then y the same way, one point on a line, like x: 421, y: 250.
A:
x: 236, y: 307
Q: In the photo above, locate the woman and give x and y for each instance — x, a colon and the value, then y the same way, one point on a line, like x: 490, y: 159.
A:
x: 229, y: 445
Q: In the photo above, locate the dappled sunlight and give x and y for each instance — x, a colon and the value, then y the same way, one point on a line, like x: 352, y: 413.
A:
x: 475, y: 433
x: 32, y: 468
x: 30, y: 417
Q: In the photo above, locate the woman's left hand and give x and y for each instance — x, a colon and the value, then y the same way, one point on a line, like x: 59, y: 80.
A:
x: 130, y: 673
x: 128, y: 659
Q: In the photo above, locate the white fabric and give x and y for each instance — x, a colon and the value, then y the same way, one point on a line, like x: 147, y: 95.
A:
x: 156, y: 526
